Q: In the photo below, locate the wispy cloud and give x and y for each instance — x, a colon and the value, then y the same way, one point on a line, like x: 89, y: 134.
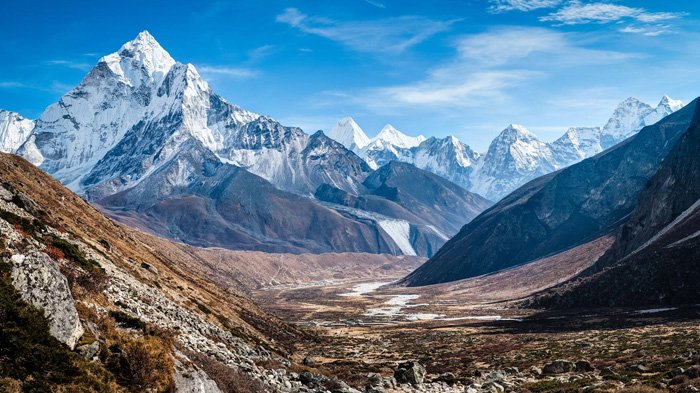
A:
x: 486, y: 66
x: 230, y: 72
x: 649, y: 31
x: 55, y: 87
x: 522, y: 5
x: 261, y: 52
x: 576, y: 13
x: 385, y: 35
x: 12, y: 85
x: 375, y: 3
x: 69, y: 64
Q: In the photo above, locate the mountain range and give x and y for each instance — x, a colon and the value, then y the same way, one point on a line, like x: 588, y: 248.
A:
x: 144, y: 136
x: 513, y: 158
x: 562, y: 210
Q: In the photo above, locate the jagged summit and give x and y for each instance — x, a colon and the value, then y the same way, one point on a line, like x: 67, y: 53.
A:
x: 142, y: 56
x: 350, y: 134
x: 389, y: 134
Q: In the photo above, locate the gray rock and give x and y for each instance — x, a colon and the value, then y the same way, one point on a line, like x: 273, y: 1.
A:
x: 5, y: 195
x: 37, y: 278
x: 410, y: 372
x: 693, y: 372
x: 535, y: 371
x: 675, y: 372
x: 447, y: 378
x: 493, y: 387
x: 89, y: 351
x: 511, y: 370
x: 193, y: 380
x: 608, y: 372
x: 639, y: 368
x: 375, y: 389
x: 497, y: 376
x: 583, y: 366
x: 559, y: 367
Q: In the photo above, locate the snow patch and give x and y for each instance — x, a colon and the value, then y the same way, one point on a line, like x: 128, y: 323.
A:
x: 400, y: 232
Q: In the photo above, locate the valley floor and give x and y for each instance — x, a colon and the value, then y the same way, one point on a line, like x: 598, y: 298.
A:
x: 474, y: 334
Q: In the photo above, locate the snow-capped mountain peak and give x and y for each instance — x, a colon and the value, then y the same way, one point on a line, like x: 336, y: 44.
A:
x: 139, y: 59
x: 14, y: 130
x: 670, y: 103
x: 349, y: 134
x: 627, y: 118
x: 390, y: 135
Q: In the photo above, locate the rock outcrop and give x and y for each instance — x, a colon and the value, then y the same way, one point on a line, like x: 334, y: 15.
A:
x: 38, y: 279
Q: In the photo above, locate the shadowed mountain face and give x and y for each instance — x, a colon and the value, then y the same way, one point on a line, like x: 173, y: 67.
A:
x: 655, y: 258
x: 428, y: 207
x: 200, y: 200
x: 426, y: 195
x: 557, y: 211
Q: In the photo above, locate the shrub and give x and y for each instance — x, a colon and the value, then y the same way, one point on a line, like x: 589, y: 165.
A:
x: 229, y: 380
x: 127, y: 321
x: 74, y: 254
x: 141, y: 364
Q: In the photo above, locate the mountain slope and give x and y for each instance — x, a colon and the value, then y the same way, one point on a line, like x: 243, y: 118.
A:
x: 654, y: 260
x: 198, y: 199
x: 119, y: 301
x: 557, y: 211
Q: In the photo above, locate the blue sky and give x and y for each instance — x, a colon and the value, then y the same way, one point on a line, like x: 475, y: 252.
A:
x: 461, y: 67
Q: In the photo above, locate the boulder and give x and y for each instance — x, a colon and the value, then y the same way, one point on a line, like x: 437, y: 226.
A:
x: 583, y: 366
x: 493, y: 387
x: 39, y: 281
x: 89, y: 351
x: 447, y: 378
x: 693, y: 372
x: 410, y: 372
x: 559, y: 367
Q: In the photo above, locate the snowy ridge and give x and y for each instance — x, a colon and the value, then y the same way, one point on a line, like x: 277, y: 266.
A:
x: 14, y: 131
x: 138, y: 107
x: 514, y: 157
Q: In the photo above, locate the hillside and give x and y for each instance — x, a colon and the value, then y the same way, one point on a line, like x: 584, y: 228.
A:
x: 654, y: 259
x: 147, y: 318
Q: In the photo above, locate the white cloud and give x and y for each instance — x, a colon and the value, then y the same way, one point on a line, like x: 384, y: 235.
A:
x: 486, y: 67
x: 649, y: 31
x: 231, y: 72
x: 69, y: 64
x: 576, y: 13
x: 375, y: 3
x: 385, y: 35
x: 522, y: 5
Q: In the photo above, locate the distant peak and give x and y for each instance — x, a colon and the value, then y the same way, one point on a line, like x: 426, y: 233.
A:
x: 390, y: 135
x: 349, y: 134
x: 517, y: 129
x: 668, y: 102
